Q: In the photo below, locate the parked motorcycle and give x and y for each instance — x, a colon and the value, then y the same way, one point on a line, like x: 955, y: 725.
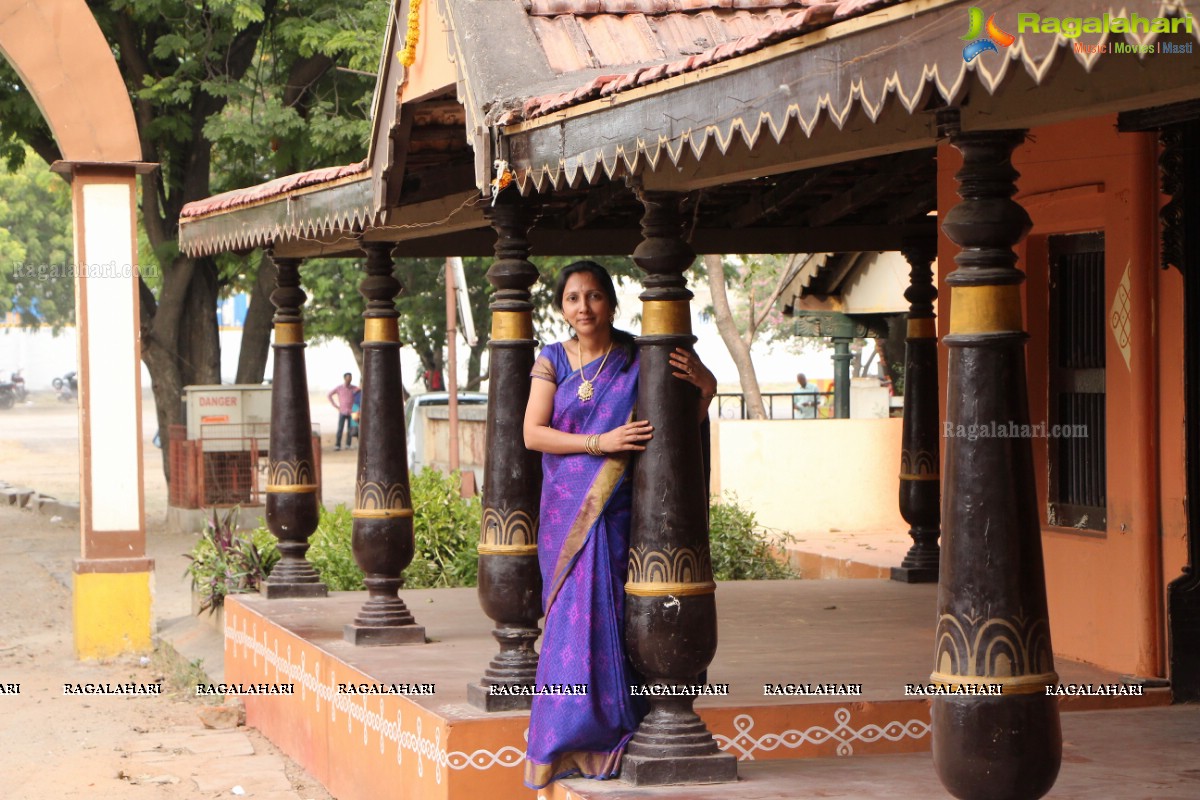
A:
x: 12, y: 390
x: 67, y: 386
x: 18, y: 384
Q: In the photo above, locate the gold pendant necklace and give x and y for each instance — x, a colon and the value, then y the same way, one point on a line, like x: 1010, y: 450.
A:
x: 586, y: 391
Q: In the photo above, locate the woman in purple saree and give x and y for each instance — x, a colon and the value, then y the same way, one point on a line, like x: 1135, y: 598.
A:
x: 580, y: 415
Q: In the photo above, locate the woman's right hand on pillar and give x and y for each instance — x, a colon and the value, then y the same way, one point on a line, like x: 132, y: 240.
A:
x: 630, y: 436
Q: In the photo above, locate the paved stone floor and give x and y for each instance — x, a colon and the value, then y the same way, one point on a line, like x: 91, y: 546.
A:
x: 1143, y: 754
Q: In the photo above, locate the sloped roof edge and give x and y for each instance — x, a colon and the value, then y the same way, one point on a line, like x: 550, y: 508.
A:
x: 904, y: 54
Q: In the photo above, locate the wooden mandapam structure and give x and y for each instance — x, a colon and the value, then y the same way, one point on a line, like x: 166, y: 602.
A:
x: 1030, y: 157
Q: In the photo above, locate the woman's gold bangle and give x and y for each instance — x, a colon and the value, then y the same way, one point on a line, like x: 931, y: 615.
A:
x: 591, y: 445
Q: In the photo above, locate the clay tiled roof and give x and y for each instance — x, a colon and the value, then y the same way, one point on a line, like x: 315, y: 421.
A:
x: 658, y: 39
x: 270, y: 189
x: 551, y: 8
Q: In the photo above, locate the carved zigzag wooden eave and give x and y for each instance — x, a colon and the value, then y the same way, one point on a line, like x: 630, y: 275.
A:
x: 340, y: 209
x: 839, y: 83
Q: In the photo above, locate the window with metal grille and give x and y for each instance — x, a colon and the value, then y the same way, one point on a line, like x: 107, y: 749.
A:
x: 1078, y: 482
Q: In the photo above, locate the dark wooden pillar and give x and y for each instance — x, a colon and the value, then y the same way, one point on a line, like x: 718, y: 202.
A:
x: 670, y: 609
x: 920, y: 450
x: 510, y: 584
x: 1180, y: 165
x: 841, y: 377
x: 292, y: 506
x: 383, y: 515
x: 993, y: 627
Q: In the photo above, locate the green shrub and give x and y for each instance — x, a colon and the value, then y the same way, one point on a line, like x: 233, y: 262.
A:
x: 330, y: 553
x: 446, y: 529
x: 447, y: 532
x: 741, y: 548
x: 228, y: 561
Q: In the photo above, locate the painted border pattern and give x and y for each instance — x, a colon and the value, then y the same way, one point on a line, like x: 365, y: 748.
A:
x: 745, y: 744
x: 356, y: 708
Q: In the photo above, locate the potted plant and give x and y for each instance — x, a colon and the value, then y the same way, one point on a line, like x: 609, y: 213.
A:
x: 227, y: 561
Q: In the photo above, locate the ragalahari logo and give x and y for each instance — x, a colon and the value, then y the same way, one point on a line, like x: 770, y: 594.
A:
x: 981, y: 37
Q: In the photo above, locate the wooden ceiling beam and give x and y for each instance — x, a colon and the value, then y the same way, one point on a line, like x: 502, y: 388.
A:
x: 782, y: 196
x: 865, y: 192
x: 598, y: 202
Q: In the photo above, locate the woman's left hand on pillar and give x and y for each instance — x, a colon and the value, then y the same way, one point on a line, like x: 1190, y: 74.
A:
x: 689, y: 367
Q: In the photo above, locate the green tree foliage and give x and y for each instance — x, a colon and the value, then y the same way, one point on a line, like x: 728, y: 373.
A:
x: 36, y: 254
x: 334, y: 311
x: 225, y: 93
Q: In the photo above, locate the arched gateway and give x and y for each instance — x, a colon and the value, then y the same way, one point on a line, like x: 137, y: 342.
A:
x: 61, y: 55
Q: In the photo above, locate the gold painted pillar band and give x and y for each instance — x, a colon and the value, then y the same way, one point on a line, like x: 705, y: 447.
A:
x: 1009, y: 684
x: 666, y: 317
x: 922, y: 328
x: 381, y: 329
x: 507, y: 549
x: 985, y: 309
x: 381, y: 513
x: 291, y: 488
x: 511, y: 325
x: 663, y: 589
x: 289, y: 333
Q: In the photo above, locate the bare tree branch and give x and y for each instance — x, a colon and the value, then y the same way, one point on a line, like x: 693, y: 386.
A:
x: 739, y: 350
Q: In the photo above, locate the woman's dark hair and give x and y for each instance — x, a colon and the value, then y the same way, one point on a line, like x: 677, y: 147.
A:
x: 623, y: 338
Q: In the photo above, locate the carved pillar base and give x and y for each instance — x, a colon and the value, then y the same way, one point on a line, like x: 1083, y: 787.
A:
x: 515, y: 664
x: 273, y: 590
x: 383, y: 619
x: 672, y: 745
x: 366, y: 636
x: 920, y: 564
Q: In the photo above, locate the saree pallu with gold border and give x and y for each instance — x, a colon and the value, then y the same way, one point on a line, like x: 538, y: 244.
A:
x: 583, y: 549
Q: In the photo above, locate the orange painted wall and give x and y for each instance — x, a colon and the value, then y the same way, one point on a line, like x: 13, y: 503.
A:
x: 1104, y: 588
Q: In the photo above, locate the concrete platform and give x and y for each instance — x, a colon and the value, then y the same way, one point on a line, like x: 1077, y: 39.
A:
x: 878, y: 634
x: 1144, y: 754
x: 825, y: 555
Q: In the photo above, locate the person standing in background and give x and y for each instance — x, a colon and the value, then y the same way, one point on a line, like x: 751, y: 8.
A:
x: 804, y: 399
x: 342, y: 398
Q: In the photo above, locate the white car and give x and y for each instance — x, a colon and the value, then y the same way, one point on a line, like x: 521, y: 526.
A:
x: 414, y: 419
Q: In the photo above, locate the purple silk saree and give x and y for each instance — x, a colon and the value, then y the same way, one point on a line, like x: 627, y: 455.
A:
x: 583, y: 549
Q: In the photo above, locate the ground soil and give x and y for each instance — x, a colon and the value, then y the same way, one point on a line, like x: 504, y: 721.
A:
x: 56, y: 745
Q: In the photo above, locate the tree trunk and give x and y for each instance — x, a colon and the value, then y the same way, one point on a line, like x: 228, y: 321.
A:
x: 198, y: 340
x: 475, y: 363
x: 180, y: 345
x: 355, y: 343
x: 738, y: 349
x: 256, y: 332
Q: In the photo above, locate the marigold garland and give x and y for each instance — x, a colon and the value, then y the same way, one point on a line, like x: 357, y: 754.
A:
x: 408, y: 55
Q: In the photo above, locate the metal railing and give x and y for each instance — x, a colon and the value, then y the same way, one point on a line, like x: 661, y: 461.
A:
x: 778, y: 405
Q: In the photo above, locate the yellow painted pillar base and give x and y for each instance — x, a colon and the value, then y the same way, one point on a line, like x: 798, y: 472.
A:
x: 112, y: 608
